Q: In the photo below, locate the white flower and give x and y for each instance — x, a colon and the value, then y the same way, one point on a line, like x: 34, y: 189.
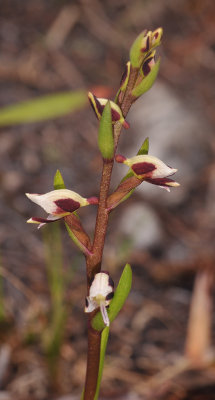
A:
x: 58, y: 204
x: 100, y: 294
x: 150, y: 169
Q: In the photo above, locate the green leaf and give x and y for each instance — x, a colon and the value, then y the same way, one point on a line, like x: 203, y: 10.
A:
x: 135, y: 50
x: 42, y: 108
x: 58, y: 181
x: 104, y: 340
x: 120, y: 296
x: 147, y: 82
x: 105, y: 137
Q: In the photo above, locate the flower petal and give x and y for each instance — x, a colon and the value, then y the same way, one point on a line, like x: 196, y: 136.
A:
x: 43, y: 221
x: 101, y: 286
x: 164, y: 183
x: 90, y: 305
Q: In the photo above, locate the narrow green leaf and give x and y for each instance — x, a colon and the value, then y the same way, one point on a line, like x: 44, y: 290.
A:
x: 58, y: 181
x: 42, y: 108
x: 105, y: 137
x: 104, y: 340
x: 147, y: 82
x: 120, y: 296
x: 135, y: 50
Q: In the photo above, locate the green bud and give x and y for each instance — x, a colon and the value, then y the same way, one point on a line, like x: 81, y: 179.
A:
x: 105, y: 137
x: 147, y: 82
x: 135, y: 50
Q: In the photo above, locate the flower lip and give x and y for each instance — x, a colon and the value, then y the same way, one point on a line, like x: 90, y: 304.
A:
x: 100, y: 294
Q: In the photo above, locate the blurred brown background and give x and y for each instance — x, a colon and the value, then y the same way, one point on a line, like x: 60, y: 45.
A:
x: 52, y: 46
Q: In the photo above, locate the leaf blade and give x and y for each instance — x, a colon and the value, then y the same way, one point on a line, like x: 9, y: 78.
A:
x: 43, y: 108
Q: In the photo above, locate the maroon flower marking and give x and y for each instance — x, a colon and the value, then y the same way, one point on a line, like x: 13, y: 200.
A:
x: 115, y: 115
x: 146, y: 48
x: 146, y: 67
x: 156, y: 35
x: 143, y: 168
x: 100, y: 108
x: 67, y: 205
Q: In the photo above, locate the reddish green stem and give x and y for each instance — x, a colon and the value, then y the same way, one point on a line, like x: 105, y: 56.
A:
x: 94, y: 260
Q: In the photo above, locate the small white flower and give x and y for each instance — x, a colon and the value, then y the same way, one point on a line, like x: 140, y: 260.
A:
x: 150, y: 169
x: 58, y: 204
x: 100, y: 295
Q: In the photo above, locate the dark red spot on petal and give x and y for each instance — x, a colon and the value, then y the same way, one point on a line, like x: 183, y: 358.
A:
x: 143, y: 168
x: 146, y: 67
x: 146, y: 48
x: 100, y: 108
x: 68, y: 205
x: 115, y: 115
x: 160, y: 181
x: 156, y: 35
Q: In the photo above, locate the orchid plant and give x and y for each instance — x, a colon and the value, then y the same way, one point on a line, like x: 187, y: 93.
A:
x: 102, y: 304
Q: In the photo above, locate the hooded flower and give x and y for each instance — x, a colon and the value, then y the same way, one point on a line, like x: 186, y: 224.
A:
x: 150, y: 169
x: 58, y: 204
x: 100, y: 294
x: 98, y: 105
x: 151, y: 40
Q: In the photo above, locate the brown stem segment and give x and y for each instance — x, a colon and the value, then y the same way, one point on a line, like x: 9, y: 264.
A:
x: 93, y: 357
x: 94, y: 260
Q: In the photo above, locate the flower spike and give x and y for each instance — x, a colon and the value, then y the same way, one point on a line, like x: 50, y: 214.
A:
x: 98, y: 105
x: 58, y: 204
x: 150, y: 169
x: 100, y: 295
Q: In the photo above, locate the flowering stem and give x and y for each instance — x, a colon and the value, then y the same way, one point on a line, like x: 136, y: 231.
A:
x: 93, y: 261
